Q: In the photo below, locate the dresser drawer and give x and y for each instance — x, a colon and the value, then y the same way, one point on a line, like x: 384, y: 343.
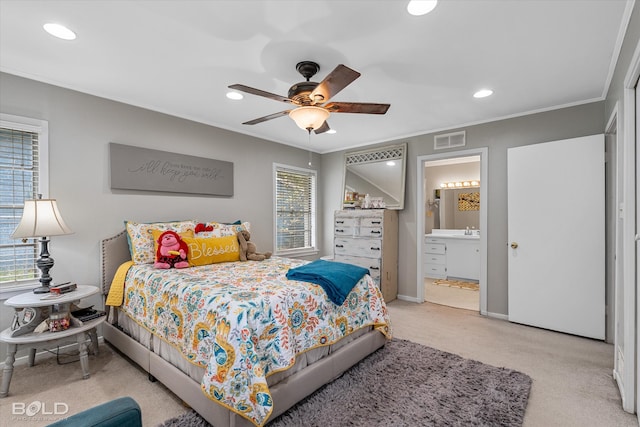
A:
x: 373, y: 264
x: 368, y: 248
x: 434, y: 259
x: 371, y: 222
x: 435, y: 248
x: 343, y: 230
x: 370, y: 232
x: 345, y: 222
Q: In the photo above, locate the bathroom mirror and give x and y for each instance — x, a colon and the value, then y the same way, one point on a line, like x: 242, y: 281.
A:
x: 448, y: 183
x: 378, y: 172
x: 459, y: 208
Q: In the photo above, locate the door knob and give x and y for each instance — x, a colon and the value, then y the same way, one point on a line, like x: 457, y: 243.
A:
x: 514, y: 245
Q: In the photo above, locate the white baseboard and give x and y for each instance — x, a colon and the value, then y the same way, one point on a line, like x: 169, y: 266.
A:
x: 407, y: 298
x: 484, y: 313
x: 497, y: 315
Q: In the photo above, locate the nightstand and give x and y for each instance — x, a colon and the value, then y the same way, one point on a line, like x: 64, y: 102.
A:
x: 37, y: 307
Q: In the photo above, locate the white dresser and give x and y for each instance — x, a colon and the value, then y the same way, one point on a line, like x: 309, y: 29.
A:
x: 369, y: 238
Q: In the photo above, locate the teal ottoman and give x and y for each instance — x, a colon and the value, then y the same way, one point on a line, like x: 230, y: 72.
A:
x: 121, y: 412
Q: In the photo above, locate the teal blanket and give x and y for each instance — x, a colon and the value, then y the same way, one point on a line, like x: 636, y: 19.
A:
x: 336, y: 278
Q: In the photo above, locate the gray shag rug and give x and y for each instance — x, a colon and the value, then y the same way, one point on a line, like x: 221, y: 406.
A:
x: 408, y: 384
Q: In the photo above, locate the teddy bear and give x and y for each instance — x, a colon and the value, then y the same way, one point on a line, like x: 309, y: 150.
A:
x: 172, y: 251
x: 248, y: 249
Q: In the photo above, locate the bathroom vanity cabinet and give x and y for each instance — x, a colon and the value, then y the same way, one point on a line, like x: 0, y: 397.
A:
x: 452, y: 256
x: 369, y: 238
x: 435, y: 258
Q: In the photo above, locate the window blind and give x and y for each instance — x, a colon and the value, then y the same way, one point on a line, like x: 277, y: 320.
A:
x: 18, y: 182
x: 295, y: 209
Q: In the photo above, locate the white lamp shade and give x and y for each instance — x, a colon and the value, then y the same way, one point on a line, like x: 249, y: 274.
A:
x: 40, y: 218
x: 309, y: 117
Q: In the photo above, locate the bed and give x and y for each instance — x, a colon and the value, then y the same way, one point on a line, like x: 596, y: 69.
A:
x: 258, y: 360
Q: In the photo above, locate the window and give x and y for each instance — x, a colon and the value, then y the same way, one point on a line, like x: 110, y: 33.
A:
x: 23, y: 158
x: 295, y: 210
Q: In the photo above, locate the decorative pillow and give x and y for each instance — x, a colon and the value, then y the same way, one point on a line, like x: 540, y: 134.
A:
x: 218, y: 229
x: 141, y: 239
x: 212, y: 250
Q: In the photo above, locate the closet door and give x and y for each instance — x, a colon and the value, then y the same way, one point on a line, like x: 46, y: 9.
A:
x: 556, y: 231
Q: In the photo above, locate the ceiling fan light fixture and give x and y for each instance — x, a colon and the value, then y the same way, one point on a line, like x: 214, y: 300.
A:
x: 234, y: 95
x: 421, y: 7
x: 309, y: 117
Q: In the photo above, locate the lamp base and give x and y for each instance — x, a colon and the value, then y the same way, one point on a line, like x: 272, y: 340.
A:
x: 41, y: 290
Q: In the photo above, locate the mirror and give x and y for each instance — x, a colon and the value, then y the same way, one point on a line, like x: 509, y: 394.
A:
x: 458, y: 208
x: 380, y: 173
x: 451, y: 193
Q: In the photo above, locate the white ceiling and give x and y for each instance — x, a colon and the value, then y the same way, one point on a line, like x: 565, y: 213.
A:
x: 178, y: 57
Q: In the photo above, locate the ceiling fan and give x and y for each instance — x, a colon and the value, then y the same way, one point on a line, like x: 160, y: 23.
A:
x: 311, y: 99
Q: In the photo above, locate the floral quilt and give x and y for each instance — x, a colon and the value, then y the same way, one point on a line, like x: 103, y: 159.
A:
x: 243, y: 321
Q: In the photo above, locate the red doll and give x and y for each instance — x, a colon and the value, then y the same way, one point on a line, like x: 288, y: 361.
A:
x: 172, y: 251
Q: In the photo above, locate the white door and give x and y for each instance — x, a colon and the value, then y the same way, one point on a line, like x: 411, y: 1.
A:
x: 556, y: 234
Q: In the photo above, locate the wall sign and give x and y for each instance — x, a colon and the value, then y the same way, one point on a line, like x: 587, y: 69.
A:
x: 136, y: 168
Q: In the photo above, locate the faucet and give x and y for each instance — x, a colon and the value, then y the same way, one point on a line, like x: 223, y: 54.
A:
x: 467, y: 232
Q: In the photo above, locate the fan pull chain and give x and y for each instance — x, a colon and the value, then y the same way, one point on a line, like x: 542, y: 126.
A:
x: 310, y: 156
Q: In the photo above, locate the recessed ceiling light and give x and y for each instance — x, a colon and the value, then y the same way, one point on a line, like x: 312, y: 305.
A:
x: 234, y: 95
x: 59, y: 31
x: 331, y: 131
x: 483, y: 93
x: 421, y: 7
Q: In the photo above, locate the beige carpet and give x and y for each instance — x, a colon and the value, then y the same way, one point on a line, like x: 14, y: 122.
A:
x: 111, y: 376
x: 572, y: 383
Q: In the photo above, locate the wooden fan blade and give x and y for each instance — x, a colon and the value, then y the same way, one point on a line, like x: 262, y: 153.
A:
x: 322, y: 129
x: 254, y: 91
x: 337, y: 80
x: 357, y: 107
x: 265, y: 118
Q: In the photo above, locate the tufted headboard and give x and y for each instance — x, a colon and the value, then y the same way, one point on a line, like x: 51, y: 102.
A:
x: 113, y: 252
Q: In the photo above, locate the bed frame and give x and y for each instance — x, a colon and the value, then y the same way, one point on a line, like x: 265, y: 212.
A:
x: 115, y: 250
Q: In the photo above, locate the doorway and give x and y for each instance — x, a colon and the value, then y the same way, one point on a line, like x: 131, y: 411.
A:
x: 438, y: 214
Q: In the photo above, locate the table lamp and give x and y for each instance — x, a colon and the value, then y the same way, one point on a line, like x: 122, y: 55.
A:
x: 41, y: 218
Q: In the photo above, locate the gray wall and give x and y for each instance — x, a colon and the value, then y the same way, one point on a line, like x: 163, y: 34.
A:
x: 80, y: 129
x: 498, y: 136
